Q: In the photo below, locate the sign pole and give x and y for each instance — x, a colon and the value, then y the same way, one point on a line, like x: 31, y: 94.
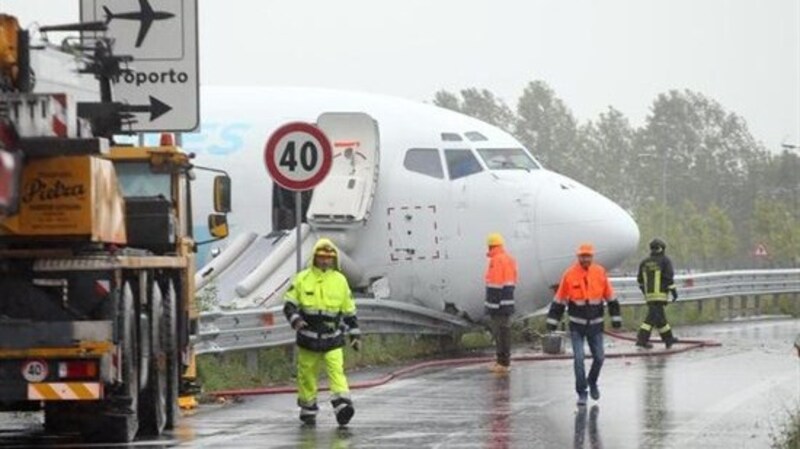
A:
x: 298, y: 218
x: 298, y: 156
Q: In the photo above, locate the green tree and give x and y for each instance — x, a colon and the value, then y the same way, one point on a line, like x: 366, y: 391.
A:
x: 546, y: 127
x: 609, y: 144
x: 478, y: 103
x: 448, y: 100
x: 697, y: 236
x: 724, y: 247
x: 780, y: 179
x: 707, y: 153
x: 774, y: 226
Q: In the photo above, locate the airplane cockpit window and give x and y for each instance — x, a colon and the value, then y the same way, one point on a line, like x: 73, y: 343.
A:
x: 507, y: 159
x: 475, y: 136
x: 424, y: 160
x: 461, y: 163
x: 451, y: 137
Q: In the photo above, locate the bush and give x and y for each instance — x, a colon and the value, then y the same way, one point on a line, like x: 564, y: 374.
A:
x: 789, y: 436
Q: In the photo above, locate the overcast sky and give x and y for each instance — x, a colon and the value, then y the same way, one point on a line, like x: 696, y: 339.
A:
x: 593, y: 53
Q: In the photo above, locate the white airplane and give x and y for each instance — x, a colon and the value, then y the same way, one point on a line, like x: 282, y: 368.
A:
x: 412, y: 194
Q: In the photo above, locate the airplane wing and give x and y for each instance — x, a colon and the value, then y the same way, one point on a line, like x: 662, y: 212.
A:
x: 145, y: 9
x: 144, y: 27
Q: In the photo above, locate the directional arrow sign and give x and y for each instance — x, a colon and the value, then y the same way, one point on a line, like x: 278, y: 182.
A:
x: 161, y: 36
x: 156, y: 108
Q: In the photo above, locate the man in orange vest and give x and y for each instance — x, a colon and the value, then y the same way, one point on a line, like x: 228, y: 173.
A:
x: 501, y: 279
x: 583, y: 290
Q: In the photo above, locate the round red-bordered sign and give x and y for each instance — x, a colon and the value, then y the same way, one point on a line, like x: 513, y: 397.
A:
x: 298, y: 156
x: 34, y: 370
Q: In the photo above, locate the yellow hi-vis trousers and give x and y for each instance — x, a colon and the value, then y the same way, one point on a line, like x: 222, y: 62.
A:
x: 308, y: 364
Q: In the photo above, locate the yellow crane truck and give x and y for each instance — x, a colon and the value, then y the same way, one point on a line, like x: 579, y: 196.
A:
x: 96, y: 247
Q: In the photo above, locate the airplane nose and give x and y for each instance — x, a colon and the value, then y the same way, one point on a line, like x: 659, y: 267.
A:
x: 569, y: 213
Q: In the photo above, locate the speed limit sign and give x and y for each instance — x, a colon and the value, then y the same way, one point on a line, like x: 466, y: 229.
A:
x: 298, y: 156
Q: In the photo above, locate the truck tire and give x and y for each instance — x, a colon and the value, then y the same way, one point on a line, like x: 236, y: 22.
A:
x: 118, y: 421
x: 153, y: 398
x: 169, y: 334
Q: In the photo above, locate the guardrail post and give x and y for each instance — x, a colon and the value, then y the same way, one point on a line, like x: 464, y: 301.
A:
x: 797, y: 305
x: 700, y: 310
x: 743, y: 301
x: 757, y: 305
x: 717, y: 308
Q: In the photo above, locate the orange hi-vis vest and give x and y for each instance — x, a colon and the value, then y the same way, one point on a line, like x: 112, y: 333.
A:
x: 583, y: 292
x: 501, y: 280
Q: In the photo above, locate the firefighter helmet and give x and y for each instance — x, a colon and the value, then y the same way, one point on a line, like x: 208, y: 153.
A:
x: 657, y: 245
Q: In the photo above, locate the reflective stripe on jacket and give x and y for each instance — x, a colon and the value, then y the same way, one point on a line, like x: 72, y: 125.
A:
x: 324, y: 301
x: 501, y: 280
x: 583, y: 293
x: 656, y: 277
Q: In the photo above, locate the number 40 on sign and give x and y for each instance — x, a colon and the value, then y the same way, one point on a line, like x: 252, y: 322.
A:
x: 298, y: 156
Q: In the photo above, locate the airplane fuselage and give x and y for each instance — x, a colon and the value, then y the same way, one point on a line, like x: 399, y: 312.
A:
x: 423, y: 240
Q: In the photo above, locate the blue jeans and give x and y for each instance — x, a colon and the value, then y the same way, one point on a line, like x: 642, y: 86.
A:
x: 595, y: 341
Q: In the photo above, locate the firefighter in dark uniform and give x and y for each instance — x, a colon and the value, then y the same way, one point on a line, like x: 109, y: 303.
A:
x: 656, y: 281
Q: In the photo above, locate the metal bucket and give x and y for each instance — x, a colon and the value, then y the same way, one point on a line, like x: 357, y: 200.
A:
x: 553, y: 343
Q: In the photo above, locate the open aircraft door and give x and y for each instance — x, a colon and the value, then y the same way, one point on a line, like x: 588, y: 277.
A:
x: 344, y: 199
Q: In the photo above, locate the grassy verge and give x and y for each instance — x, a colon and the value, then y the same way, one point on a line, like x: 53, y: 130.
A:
x: 273, y: 366
x: 789, y: 436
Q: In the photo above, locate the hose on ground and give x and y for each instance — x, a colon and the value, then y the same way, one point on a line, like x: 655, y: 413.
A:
x: 680, y: 347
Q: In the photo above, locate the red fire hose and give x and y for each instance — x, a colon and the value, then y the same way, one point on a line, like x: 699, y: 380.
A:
x: 686, y: 345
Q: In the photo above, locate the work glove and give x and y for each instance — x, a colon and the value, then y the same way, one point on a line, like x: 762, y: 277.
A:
x: 616, y: 324
x: 355, y: 343
x: 674, y: 294
x: 299, y: 324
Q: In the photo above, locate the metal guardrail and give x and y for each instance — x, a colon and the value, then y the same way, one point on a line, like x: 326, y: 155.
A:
x: 702, y: 286
x: 263, y: 328
x: 224, y: 331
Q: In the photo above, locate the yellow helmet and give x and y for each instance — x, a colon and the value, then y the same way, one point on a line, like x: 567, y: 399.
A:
x: 495, y: 239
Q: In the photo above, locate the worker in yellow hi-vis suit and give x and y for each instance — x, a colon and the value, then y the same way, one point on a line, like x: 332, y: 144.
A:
x: 320, y: 308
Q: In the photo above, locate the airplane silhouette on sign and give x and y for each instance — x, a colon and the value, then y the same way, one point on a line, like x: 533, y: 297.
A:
x: 146, y: 15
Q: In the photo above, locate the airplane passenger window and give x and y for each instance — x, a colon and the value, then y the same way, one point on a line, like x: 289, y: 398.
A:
x: 461, y: 163
x: 507, y: 159
x: 425, y: 161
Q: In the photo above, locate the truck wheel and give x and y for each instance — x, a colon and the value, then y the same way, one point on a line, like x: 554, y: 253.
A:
x: 119, y: 422
x: 153, y: 398
x: 169, y: 337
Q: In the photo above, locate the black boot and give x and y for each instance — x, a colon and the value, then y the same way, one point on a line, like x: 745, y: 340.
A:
x: 669, y: 339
x: 308, y: 414
x: 642, y: 339
x: 343, y: 409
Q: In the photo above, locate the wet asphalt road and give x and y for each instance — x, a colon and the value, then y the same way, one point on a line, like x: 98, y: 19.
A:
x: 735, y: 396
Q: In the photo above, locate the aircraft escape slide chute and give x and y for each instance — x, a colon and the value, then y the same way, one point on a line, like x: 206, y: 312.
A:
x: 256, y: 270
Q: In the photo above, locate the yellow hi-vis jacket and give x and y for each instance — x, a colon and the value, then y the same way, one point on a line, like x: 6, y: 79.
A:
x: 323, y: 300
